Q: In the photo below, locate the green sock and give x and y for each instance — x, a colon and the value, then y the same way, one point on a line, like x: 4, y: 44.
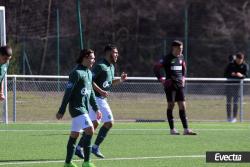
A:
x: 70, y: 149
x: 81, y: 141
x: 101, y: 135
x: 86, y: 146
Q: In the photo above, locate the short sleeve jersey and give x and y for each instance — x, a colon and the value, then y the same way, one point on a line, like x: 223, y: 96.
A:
x: 79, y: 92
x: 103, y: 75
x: 175, y: 69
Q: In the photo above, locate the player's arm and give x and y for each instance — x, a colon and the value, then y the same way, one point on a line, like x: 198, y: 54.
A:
x: 94, y: 105
x: 244, y: 74
x: 121, y: 79
x: 99, y: 90
x: 92, y: 101
x: 157, y: 70
x: 73, y: 79
x: 184, y: 72
x: 2, y: 97
x: 96, y: 71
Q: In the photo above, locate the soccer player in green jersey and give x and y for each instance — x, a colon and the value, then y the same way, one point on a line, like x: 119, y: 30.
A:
x: 5, y: 56
x: 103, y: 79
x: 79, y: 94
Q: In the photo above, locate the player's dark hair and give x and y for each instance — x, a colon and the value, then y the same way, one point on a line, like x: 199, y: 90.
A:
x: 240, y: 55
x: 84, y: 53
x: 177, y: 43
x: 5, y: 51
x: 109, y: 47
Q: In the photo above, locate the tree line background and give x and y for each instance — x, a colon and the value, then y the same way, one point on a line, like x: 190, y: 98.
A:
x: 142, y: 30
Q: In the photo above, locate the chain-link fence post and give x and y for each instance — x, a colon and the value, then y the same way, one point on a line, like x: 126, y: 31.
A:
x: 14, y: 99
x: 241, y: 100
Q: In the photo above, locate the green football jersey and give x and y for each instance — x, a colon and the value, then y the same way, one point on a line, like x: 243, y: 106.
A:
x: 79, y: 92
x: 103, y: 75
x: 3, y: 70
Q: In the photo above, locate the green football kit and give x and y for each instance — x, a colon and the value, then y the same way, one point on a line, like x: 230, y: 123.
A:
x: 79, y: 92
x: 103, y: 75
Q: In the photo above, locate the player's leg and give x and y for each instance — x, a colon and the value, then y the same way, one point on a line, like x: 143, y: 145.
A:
x: 229, y: 96
x: 170, y: 94
x: 100, y: 138
x: 88, y: 128
x: 107, y: 119
x: 170, y: 118
x: 79, y: 148
x: 182, y: 114
x: 180, y: 98
x: 75, y: 130
x: 71, y: 149
x: 95, y: 124
x: 103, y: 133
x: 235, y: 108
x: 228, y: 106
x: 89, y: 131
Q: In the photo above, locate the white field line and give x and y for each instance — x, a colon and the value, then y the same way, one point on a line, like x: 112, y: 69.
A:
x: 60, y: 130
x: 201, y: 123
x: 107, y: 159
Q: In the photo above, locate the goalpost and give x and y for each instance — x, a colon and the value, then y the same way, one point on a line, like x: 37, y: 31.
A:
x: 2, y: 26
x: 3, y: 42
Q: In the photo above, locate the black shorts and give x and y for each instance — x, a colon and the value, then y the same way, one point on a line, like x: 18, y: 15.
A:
x: 175, y: 95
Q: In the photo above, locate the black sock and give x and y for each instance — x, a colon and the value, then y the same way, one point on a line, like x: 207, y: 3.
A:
x: 101, y: 135
x: 86, y: 143
x: 81, y: 141
x: 70, y: 149
x: 183, y: 118
x: 170, y: 118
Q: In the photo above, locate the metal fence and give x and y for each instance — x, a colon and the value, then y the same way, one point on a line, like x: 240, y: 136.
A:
x: 37, y: 99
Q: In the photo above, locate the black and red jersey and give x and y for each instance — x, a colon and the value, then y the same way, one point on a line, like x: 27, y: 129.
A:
x: 174, y: 68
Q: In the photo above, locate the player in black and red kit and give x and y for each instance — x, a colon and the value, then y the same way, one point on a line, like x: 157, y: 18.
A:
x: 174, y: 82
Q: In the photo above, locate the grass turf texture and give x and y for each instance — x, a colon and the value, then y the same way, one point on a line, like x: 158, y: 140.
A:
x: 128, y: 144
x: 42, y: 106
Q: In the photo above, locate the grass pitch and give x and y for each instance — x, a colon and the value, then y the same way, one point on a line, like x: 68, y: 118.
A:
x: 42, y: 106
x: 128, y: 144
